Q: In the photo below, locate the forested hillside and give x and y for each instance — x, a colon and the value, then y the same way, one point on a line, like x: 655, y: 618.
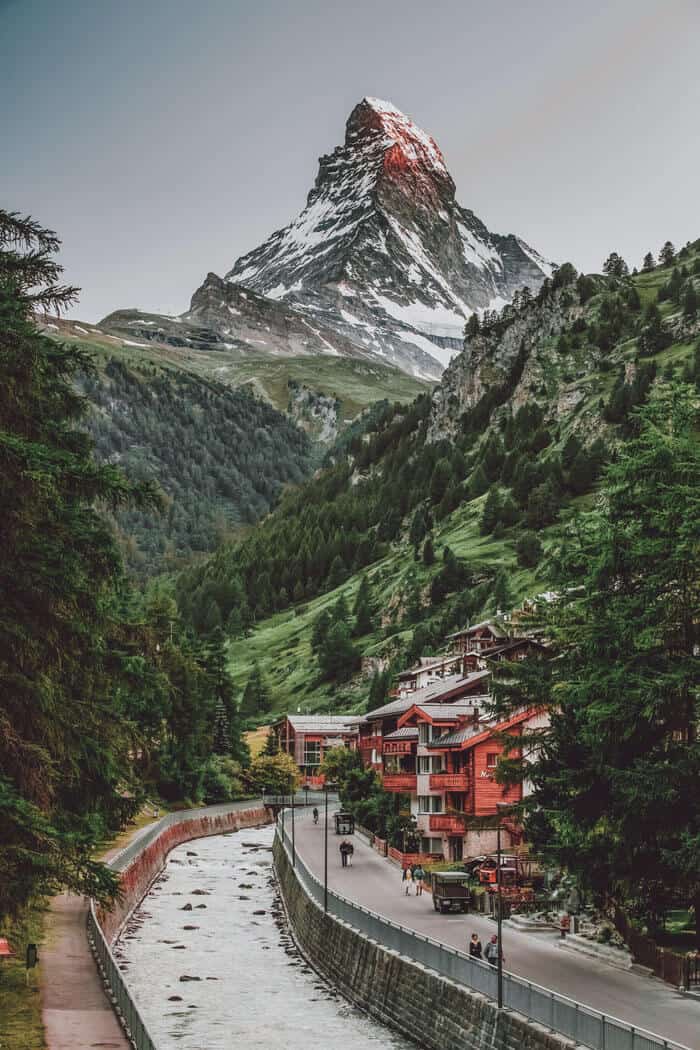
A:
x: 221, y: 457
x: 451, y: 506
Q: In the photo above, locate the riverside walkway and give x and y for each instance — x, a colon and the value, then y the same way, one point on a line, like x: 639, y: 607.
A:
x: 375, y: 883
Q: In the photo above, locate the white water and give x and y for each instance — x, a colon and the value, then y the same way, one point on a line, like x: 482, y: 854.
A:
x: 254, y: 989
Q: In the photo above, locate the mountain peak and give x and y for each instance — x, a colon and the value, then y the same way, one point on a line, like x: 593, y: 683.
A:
x: 406, y: 144
x: 383, y: 254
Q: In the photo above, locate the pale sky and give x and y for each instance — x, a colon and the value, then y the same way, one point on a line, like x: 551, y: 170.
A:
x: 164, y: 138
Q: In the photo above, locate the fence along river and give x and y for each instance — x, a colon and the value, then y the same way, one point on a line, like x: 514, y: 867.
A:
x: 247, y: 984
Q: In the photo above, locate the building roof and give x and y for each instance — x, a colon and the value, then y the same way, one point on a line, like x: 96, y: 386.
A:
x: 457, y: 736
x: 436, y: 692
x: 324, y: 723
x: 447, y: 712
x: 470, y: 734
x: 426, y: 663
x: 513, y: 643
x: 495, y: 628
x: 404, y: 733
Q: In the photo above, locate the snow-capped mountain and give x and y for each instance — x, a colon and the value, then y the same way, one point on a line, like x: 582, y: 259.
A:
x: 382, y: 264
x: 383, y: 254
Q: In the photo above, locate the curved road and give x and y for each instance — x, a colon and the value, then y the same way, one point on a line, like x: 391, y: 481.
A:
x: 375, y: 883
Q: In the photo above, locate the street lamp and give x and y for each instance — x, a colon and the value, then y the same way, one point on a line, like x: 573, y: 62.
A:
x: 326, y: 788
x: 325, y: 848
x: 294, y: 852
x: 500, y: 806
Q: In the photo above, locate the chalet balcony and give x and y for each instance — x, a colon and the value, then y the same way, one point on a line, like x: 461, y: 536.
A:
x: 449, y: 781
x: 452, y: 823
x: 370, y: 743
x: 400, y: 782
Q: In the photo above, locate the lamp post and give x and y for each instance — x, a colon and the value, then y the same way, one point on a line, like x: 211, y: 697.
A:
x: 325, y: 849
x: 499, y: 915
x: 294, y: 852
x: 500, y: 807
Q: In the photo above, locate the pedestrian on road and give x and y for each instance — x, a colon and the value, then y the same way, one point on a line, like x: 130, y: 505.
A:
x: 315, y: 813
x: 418, y: 877
x: 492, y: 951
x: 407, y: 879
x: 344, y: 853
x: 475, y: 947
x: 349, y: 852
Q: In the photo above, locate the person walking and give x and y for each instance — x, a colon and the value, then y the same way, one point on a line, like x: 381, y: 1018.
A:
x: 315, y: 813
x: 344, y: 853
x: 407, y: 878
x: 475, y: 947
x: 418, y: 878
x: 492, y: 951
x: 349, y: 852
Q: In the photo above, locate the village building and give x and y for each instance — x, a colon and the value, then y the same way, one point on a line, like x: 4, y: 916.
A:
x: 485, y: 635
x: 307, y: 738
x: 428, y: 671
x: 378, y: 725
x: 436, y: 746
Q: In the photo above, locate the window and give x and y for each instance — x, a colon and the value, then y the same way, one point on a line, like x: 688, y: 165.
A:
x: 429, y: 844
x: 430, y: 764
x: 492, y: 760
x: 430, y: 804
x: 312, y: 752
x: 424, y: 732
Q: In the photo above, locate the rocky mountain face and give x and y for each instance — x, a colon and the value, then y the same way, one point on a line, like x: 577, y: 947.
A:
x: 519, y: 355
x: 383, y: 253
x: 381, y: 264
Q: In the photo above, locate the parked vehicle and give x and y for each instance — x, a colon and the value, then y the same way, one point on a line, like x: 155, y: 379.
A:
x: 451, y: 890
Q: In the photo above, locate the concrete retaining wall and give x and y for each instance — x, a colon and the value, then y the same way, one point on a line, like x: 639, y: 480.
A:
x: 427, y: 1008
x: 138, y: 875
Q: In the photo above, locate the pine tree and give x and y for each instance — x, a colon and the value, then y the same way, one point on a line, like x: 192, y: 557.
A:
x: 690, y: 302
x: 501, y: 597
x: 337, y: 657
x: 227, y: 735
x: 418, y: 528
x: 362, y: 609
x: 529, y: 550
x: 478, y: 483
x: 667, y: 255
x: 648, y: 263
x: 615, y: 266
x: 319, y: 630
x: 256, y: 696
x: 616, y: 774
x: 379, y: 689
x: 472, y: 326
x: 491, y: 512
x: 428, y: 552
x: 66, y: 731
x: 338, y: 572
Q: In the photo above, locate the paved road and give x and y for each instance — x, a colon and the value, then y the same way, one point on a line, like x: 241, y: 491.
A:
x: 376, y: 883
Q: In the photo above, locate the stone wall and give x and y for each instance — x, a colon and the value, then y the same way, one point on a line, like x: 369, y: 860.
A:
x: 136, y: 878
x: 425, y: 1007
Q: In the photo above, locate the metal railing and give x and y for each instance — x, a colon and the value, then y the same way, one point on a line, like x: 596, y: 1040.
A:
x: 557, y: 1012
x: 126, y: 1009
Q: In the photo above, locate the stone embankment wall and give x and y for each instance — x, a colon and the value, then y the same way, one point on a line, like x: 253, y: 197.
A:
x: 138, y: 875
x: 427, y: 1008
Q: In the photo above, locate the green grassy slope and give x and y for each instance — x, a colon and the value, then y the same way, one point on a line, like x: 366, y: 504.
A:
x: 354, y: 382
x: 281, y: 645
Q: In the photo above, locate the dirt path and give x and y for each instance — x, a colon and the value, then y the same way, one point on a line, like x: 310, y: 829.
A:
x: 76, y: 1012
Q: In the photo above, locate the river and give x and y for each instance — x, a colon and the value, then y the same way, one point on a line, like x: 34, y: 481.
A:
x: 214, y: 915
